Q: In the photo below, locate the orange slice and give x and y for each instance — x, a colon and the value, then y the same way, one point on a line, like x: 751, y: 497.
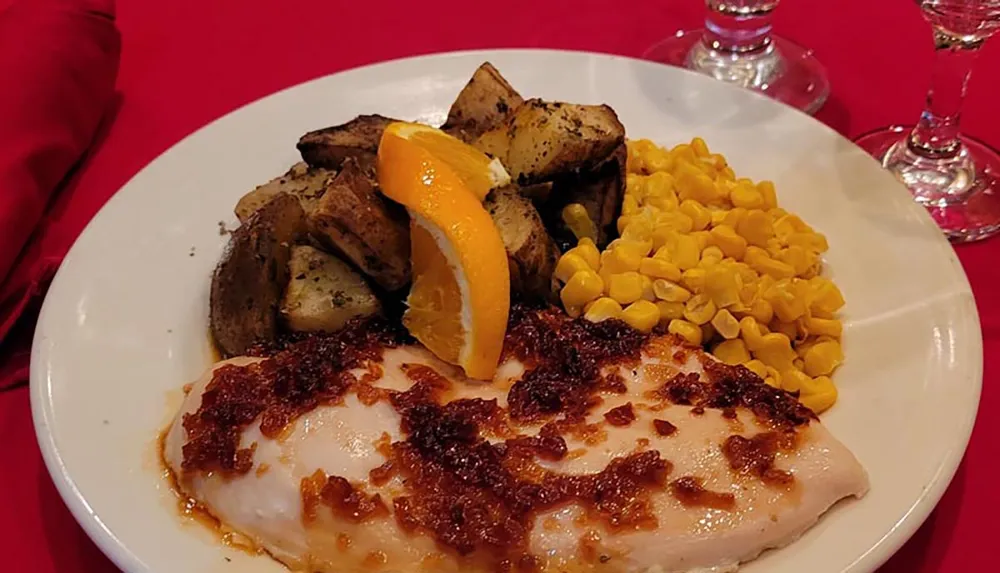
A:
x: 460, y: 296
x: 478, y: 171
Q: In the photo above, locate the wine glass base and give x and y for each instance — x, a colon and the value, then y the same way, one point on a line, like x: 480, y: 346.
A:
x: 963, y: 199
x: 782, y: 69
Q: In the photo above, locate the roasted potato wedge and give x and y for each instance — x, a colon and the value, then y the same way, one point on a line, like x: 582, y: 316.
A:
x: 352, y: 218
x: 323, y: 292
x: 358, y: 139
x: 305, y: 183
x: 599, y: 189
x: 531, y: 253
x: 247, y: 284
x: 484, y: 103
x: 544, y: 139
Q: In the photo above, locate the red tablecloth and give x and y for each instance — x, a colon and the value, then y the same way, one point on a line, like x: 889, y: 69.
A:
x: 186, y: 62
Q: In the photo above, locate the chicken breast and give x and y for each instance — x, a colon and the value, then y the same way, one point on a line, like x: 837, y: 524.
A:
x: 595, y: 448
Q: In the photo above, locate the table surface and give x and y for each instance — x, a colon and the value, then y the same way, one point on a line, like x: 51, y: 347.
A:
x: 187, y: 62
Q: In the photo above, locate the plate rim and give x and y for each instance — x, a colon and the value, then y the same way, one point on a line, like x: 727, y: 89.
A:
x: 40, y: 386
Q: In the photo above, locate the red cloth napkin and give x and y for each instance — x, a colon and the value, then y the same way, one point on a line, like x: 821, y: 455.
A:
x: 59, y: 61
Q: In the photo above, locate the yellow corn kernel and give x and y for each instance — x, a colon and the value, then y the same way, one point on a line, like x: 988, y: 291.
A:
x: 783, y: 298
x: 717, y: 217
x: 686, y: 252
x: 722, y: 285
x: 751, y: 333
x: 639, y: 230
x: 799, y: 363
x: 623, y: 222
x: 726, y: 324
x: 732, y: 245
x: 573, y: 311
x: 767, y: 191
x: 826, y: 296
x: 712, y: 253
x: 699, y: 147
x: 734, y: 216
x: 670, y: 291
x: 745, y: 195
x: 588, y: 251
x: 659, y: 269
x: 694, y: 279
x: 641, y: 315
x: 732, y: 352
x: 659, y: 184
x: 633, y: 181
x: 620, y: 260
x: 793, y: 379
x: 689, y: 332
x: 658, y: 159
x: 602, y: 309
x: 673, y: 221
x: 795, y: 257
x: 719, y: 161
x: 647, y: 289
x: 683, y: 151
x: 823, y: 358
x: 765, y: 265
x: 772, y: 382
x: 693, y: 184
x: 568, y: 266
x: 699, y: 215
x: 575, y: 217
x: 756, y: 228
x: 761, y: 310
x: 786, y: 328
x: 821, y: 394
x: 757, y: 367
x: 635, y: 247
x: 670, y: 310
x: 702, y: 238
x: 699, y: 309
x: 626, y: 287
x: 630, y: 205
x: 810, y: 240
x: 773, y: 349
x: 824, y: 326
x: 582, y: 287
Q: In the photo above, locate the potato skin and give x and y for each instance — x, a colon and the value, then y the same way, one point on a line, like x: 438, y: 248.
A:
x: 357, y: 139
x: 248, y: 281
x: 484, y: 103
x: 323, y: 292
x: 306, y: 183
x: 531, y: 252
x: 542, y: 140
x: 371, y: 232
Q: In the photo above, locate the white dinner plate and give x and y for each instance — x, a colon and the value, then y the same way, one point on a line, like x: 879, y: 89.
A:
x: 124, y: 325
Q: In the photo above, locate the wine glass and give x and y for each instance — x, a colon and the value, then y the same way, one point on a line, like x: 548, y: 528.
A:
x: 736, y: 46
x: 955, y: 176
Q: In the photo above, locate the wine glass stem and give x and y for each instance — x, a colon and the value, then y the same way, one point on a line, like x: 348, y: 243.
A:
x: 738, y: 26
x: 936, y: 133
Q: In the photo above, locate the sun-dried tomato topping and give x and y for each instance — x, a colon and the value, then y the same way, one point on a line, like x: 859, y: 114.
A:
x: 566, y: 356
x: 475, y: 496
x: 727, y: 387
x: 344, y: 499
x: 621, y: 416
x: 685, y: 388
x: 755, y: 456
x: 304, y: 372
x: 691, y: 492
x: 664, y: 428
